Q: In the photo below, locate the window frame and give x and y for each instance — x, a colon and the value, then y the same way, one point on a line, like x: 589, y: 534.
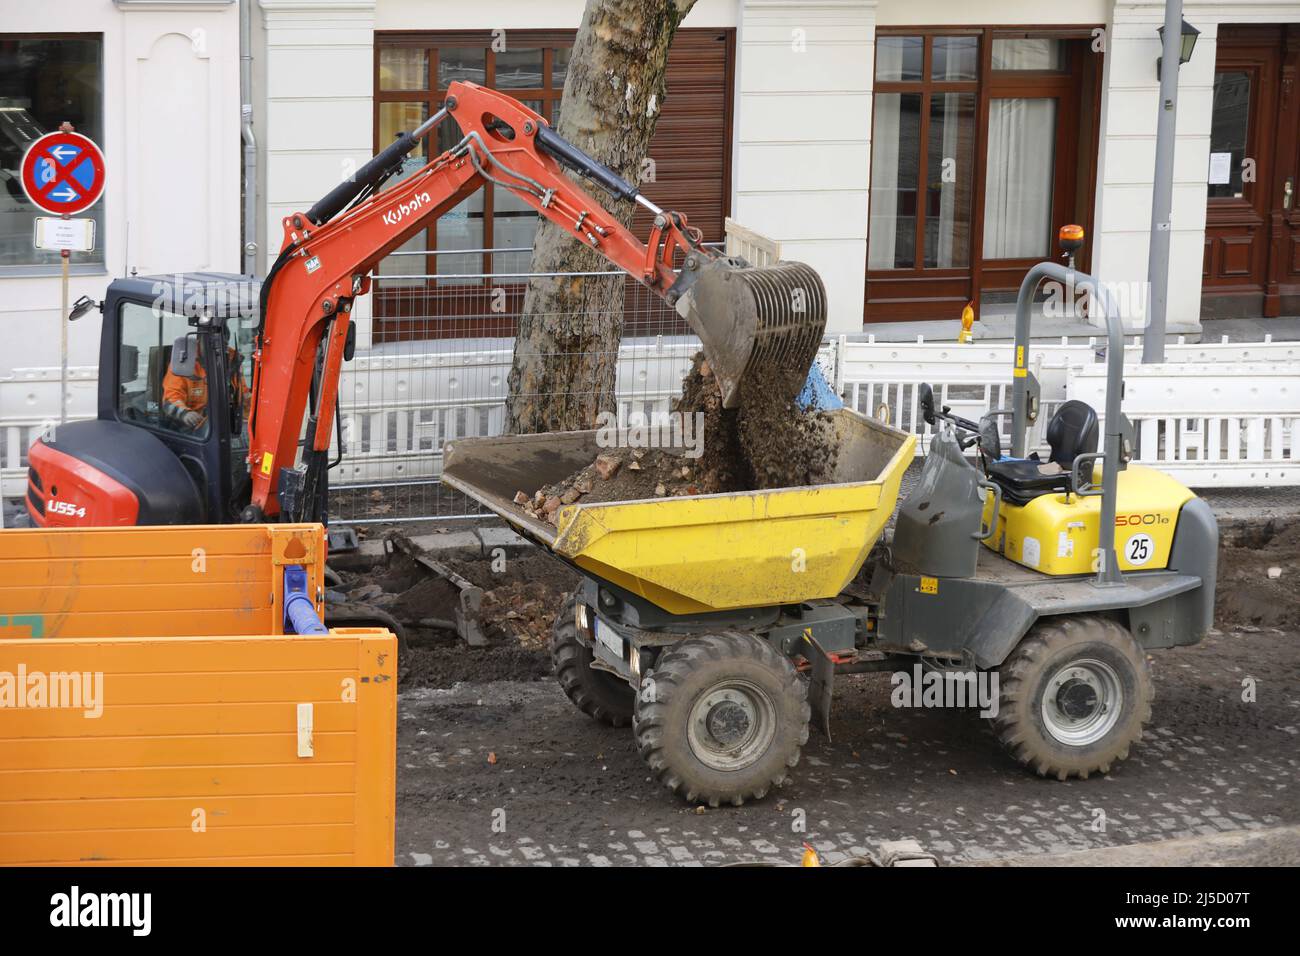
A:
x: 100, y: 267
x: 156, y: 426
x: 432, y: 42
x: 1254, y: 73
x: 928, y: 87
x: 920, y: 292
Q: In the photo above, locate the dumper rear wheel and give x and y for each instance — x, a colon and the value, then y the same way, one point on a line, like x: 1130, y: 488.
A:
x: 599, y: 694
x: 722, y: 718
x: 1073, y: 697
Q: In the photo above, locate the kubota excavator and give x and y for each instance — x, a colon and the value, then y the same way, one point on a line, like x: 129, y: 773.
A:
x: 182, y: 434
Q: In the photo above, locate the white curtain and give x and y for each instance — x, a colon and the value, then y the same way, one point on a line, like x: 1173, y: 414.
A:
x: 884, y: 182
x: 1018, y: 181
x: 1028, y: 54
x: 949, y: 108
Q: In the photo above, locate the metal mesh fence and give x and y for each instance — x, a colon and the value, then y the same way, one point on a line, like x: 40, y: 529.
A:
x: 438, y: 369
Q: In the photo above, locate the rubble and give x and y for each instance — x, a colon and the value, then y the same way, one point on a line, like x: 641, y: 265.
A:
x: 766, y: 443
x: 521, y: 596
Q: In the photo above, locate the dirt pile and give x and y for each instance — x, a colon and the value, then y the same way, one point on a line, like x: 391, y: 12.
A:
x: 768, y: 442
x: 623, y: 474
x: 1259, y: 574
x: 521, y: 595
x: 781, y: 444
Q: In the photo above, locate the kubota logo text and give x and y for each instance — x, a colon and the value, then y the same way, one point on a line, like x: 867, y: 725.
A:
x: 402, y: 210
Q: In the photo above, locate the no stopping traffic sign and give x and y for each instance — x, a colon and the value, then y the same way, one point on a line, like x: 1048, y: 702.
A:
x: 63, y: 173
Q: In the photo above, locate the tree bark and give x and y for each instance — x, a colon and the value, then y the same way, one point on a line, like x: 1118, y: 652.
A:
x: 566, y: 351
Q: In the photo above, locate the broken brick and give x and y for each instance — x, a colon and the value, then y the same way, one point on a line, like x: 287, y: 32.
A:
x: 607, y: 466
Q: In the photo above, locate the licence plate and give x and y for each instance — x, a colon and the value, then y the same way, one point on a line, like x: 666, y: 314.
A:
x: 610, y: 638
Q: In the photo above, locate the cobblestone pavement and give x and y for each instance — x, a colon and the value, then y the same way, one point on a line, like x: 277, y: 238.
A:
x: 511, y: 773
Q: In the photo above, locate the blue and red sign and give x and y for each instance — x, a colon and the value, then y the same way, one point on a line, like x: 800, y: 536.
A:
x: 63, y: 173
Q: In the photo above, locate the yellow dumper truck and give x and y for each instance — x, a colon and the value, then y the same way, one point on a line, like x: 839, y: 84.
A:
x: 716, y: 624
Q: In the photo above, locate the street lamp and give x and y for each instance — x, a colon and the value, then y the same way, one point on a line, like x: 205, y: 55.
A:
x: 1189, y: 35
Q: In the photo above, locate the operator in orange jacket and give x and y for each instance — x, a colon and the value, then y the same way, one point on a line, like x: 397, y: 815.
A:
x: 185, y: 397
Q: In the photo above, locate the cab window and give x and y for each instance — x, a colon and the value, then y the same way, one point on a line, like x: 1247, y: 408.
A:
x: 152, y: 389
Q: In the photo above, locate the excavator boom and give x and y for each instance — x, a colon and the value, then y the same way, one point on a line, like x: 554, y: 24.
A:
x: 753, y: 323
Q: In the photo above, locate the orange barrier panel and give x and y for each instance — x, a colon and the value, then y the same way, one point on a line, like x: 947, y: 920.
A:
x: 153, y: 581
x: 276, y: 750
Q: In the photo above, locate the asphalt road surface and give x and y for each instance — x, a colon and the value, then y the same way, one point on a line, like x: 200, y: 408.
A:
x: 509, y: 773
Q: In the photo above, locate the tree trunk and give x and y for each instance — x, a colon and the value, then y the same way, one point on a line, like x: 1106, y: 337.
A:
x: 566, y: 350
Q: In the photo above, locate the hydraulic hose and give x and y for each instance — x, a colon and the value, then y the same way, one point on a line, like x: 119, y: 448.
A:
x: 300, y: 615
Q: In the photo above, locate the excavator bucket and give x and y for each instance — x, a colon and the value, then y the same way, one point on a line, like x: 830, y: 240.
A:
x: 758, y: 326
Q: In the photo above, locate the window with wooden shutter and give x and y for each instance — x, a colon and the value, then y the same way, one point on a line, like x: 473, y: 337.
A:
x: 688, y: 166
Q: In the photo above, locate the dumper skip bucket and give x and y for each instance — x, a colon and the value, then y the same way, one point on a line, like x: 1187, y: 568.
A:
x: 701, y: 553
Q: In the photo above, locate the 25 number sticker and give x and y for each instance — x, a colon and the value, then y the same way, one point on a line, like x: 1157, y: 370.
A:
x: 1139, y: 549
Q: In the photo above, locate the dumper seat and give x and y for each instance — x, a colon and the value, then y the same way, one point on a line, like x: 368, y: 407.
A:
x: 1071, y: 432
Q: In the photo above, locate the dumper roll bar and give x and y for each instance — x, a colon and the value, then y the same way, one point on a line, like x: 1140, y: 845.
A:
x: 1025, y: 398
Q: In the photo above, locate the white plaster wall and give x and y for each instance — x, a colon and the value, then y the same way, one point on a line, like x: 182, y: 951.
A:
x: 172, y: 175
x: 181, y: 104
x: 1126, y: 165
x: 519, y: 14
x: 314, y: 110
x: 991, y: 12
x: 802, y: 152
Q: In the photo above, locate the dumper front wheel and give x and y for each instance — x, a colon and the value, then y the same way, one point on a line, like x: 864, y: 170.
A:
x: 722, y: 718
x: 1073, y: 697
x: 599, y: 694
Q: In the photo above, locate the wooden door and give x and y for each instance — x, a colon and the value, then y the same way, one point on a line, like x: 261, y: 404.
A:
x: 1282, y: 292
x: 1242, y: 173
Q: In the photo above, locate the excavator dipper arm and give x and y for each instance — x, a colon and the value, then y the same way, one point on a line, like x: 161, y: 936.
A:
x: 329, y: 252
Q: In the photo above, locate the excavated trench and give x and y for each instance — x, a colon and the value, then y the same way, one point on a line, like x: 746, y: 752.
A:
x: 1259, y: 574
x: 521, y: 594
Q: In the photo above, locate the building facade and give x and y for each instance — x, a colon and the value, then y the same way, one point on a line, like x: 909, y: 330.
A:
x: 156, y: 84
x: 919, y: 153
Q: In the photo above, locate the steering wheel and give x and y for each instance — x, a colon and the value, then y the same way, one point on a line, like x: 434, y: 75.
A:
x: 926, y: 400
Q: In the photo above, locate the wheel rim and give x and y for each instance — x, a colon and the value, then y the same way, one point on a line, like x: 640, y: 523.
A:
x: 1082, y: 702
x: 731, y: 725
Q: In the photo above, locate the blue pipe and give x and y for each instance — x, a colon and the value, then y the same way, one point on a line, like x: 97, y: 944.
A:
x: 299, y: 611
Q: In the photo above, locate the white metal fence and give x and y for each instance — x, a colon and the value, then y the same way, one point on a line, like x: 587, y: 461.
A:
x: 1214, y: 415
x: 1241, y: 400
x: 1211, y: 425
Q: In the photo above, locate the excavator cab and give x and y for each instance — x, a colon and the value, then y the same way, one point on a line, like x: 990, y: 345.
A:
x: 170, y: 442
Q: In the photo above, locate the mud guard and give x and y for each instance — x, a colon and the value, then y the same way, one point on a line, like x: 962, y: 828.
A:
x: 821, y: 687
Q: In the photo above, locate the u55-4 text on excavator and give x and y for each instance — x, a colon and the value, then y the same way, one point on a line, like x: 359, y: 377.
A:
x: 205, y: 379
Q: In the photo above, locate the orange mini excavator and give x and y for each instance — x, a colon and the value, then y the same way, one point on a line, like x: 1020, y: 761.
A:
x: 180, y: 438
